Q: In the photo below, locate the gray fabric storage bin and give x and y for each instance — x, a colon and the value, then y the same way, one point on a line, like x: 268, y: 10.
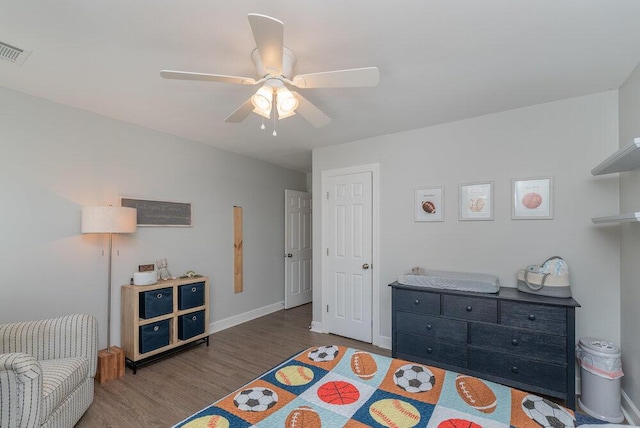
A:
x: 191, y: 295
x: 154, y: 303
x: 154, y: 336
x: 190, y: 325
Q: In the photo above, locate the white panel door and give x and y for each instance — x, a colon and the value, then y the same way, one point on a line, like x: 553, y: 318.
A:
x: 349, y: 255
x: 297, y: 248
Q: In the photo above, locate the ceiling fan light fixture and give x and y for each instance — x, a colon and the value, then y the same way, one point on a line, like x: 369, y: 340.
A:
x: 285, y: 101
x: 261, y: 100
x: 266, y: 114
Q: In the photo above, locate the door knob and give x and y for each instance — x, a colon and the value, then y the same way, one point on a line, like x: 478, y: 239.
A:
x: 365, y: 266
x: 288, y: 255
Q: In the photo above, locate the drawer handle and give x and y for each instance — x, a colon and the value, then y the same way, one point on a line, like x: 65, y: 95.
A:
x: 416, y: 302
x: 469, y: 308
x: 514, y: 342
x: 532, y: 317
x: 429, y: 350
x: 514, y: 369
x: 159, y: 295
x: 193, y: 318
x: 429, y: 327
x: 193, y: 289
x: 156, y: 328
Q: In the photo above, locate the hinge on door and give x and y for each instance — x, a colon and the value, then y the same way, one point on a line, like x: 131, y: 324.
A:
x: 327, y: 251
x: 327, y: 195
x: 327, y: 308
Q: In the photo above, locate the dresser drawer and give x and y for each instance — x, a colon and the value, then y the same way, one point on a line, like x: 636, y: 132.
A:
x: 519, y: 342
x: 470, y: 308
x: 416, y: 301
x: 432, y: 350
x: 550, y: 319
x: 432, y: 327
x: 549, y: 376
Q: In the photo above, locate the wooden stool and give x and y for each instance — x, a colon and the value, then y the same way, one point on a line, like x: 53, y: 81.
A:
x: 110, y: 364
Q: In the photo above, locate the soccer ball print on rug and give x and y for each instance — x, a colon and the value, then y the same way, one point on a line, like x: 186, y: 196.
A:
x: 334, y: 386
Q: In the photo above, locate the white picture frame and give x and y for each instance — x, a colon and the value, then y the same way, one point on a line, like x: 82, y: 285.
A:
x: 429, y: 204
x: 532, y: 198
x: 476, y: 201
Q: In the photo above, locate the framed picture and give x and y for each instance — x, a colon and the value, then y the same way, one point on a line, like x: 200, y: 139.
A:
x: 532, y: 198
x: 159, y: 213
x: 429, y: 204
x: 476, y: 201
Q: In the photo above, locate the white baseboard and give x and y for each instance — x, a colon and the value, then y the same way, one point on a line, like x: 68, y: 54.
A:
x: 629, y: 410
x: 242, y: 318
x: 384, y: 342
x: 316, y: 327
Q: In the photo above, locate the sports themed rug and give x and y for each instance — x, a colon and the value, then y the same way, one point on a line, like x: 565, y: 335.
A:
x: 335, y: 386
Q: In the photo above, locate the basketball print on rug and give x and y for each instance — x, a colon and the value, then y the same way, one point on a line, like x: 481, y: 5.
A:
x: 338, y: 393
x: 476, y: 393
x: 458, y: 423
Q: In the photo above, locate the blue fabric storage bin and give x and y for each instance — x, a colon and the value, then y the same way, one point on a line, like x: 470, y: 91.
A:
x: 156, y: 302
x: 190, y: 325
x: 154, y: 336
x: 191, y: 295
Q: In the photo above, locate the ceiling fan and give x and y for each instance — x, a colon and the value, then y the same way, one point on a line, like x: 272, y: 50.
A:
x: 274, y: 65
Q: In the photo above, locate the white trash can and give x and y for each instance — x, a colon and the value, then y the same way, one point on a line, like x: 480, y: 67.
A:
x: 600, y: 373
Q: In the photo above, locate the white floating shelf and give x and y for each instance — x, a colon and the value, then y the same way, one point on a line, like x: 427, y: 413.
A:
x: 625, y: 159
x: 622, y: 218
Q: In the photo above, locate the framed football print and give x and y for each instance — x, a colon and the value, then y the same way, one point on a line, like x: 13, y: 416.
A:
x: 429, y: 204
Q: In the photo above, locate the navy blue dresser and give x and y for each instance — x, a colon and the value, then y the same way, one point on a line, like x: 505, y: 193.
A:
x: 517, y: 339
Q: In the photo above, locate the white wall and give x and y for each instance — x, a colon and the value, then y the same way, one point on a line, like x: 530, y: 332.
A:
x: 629, y: 118
x: 55, y: 159
x: 563, y: 139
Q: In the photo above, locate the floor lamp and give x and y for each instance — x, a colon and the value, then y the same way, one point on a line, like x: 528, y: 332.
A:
x: 109, y: 220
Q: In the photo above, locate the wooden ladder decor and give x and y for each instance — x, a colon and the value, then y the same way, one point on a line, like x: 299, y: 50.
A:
x: 237, y: 249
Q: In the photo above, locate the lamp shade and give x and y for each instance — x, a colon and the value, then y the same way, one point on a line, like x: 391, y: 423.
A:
x: 109, y: 220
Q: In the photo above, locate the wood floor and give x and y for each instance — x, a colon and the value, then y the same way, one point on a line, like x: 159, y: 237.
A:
x: 166, y: 392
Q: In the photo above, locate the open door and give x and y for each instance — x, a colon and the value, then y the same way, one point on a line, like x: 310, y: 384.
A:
x: 297, y: 248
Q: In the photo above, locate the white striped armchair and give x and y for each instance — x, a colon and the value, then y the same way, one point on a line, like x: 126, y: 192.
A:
x: 46, y: 371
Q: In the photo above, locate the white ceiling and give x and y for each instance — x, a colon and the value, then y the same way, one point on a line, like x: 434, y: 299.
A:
x: 439, y: 61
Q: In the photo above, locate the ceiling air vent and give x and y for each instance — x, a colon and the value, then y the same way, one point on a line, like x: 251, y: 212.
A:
x: 13, y: 54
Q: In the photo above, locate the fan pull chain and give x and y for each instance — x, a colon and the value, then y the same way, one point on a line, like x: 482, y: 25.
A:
x: 274, y: 123
x: 262, y: 126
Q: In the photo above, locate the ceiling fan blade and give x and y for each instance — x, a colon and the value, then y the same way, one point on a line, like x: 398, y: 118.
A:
x: 269, y: 36
x: 356, y: 77
x: 241, y: 113
x: 187, y: 75
x: 313, y: 114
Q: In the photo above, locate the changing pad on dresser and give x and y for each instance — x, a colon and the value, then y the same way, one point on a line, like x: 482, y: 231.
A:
x: 461, y: 281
